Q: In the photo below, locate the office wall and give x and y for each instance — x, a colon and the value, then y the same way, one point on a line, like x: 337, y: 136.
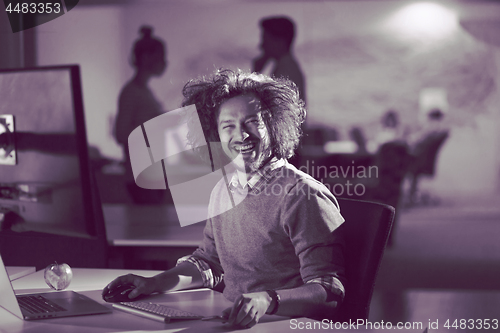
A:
x: 90, y: 37
x: 355, y: 66
x: 11, y: 49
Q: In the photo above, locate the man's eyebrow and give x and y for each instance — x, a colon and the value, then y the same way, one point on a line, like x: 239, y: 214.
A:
x: 226, y: 121
x: 231, y: 121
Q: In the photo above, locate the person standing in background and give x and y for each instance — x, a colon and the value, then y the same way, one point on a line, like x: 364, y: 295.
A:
x: 278, y: 33
x: 137, y: 102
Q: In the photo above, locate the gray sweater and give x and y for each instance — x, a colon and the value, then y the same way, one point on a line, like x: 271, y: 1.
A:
x: 279, y: 235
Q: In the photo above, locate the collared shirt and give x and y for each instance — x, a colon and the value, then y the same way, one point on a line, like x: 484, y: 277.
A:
x: 259, y: 178
x: 256, y: 183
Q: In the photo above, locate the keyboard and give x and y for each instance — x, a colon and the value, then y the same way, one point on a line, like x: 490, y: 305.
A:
x: 38, y: 304
x: 156, y: 311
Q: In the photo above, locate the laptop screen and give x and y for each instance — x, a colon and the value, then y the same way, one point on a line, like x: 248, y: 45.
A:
x: 8, y: 299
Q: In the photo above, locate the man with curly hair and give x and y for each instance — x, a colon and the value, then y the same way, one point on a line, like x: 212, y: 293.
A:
x: 272, y: 242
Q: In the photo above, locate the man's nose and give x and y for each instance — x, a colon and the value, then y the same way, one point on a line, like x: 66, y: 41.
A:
x: 243, y: 133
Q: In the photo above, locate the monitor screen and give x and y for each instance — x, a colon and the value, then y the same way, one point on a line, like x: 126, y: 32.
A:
x: 44, y: 168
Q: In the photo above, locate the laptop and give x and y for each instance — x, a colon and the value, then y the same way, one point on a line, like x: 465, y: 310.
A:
x: 45, y: 305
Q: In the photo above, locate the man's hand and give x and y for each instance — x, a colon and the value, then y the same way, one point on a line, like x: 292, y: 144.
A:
x: 247, y: 309
x: 143, y: 286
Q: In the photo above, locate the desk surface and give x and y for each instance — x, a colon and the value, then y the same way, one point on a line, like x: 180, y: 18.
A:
x: 90, y: 282
x: 149, y: 225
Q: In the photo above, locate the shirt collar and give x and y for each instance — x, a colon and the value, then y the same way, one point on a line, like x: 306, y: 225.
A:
x: 259, y: 177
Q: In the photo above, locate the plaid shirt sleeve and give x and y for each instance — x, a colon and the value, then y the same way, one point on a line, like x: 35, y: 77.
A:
x: 210, y: 280
x: 334, y: 288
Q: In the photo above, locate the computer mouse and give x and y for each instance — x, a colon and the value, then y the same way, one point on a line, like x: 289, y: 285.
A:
x: 119, y: 294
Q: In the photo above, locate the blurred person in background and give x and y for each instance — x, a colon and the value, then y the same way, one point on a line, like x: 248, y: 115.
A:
x: 425, y: 145
x: 390, y: 130
x: 137, y: 102
x: 278, y: 33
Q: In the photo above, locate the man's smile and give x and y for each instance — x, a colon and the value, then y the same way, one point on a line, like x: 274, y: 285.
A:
x: 242, y: 132
x: 245, y: 148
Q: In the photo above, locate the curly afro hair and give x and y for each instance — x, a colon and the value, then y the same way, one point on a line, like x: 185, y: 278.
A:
x: 283, y: 111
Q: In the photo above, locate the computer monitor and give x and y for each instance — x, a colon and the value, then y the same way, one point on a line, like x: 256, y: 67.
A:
x: 45, y: 179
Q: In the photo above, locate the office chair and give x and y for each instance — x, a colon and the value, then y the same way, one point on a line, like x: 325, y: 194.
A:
x: 424, y: 160
x: 365, y: 232
x: 392, y: 160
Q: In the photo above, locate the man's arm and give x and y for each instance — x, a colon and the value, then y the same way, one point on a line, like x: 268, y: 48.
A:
x: 311, y: 222
x: 309, y: 300
x: 191, y: 272
x: 182, y: 276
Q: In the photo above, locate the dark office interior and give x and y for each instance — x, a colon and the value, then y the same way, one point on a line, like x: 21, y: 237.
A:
x: 424, y: 64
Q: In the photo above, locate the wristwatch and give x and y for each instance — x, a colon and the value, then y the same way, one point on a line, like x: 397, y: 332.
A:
x: 275, y: 302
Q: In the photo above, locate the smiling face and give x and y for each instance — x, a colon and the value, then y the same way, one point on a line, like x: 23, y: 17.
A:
x: 243, y: 134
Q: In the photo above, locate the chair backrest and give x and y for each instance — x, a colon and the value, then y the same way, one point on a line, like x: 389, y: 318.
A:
x: 392, y: 162
x: 426, y: 153
x: 365, y: 231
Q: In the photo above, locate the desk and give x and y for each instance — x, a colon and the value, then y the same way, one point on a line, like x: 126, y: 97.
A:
x: 90, y: 282
x: 149, y: 225
x: 148, y: 236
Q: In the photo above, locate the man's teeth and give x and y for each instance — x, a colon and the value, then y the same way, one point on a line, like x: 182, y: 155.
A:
x: 245, y: 148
